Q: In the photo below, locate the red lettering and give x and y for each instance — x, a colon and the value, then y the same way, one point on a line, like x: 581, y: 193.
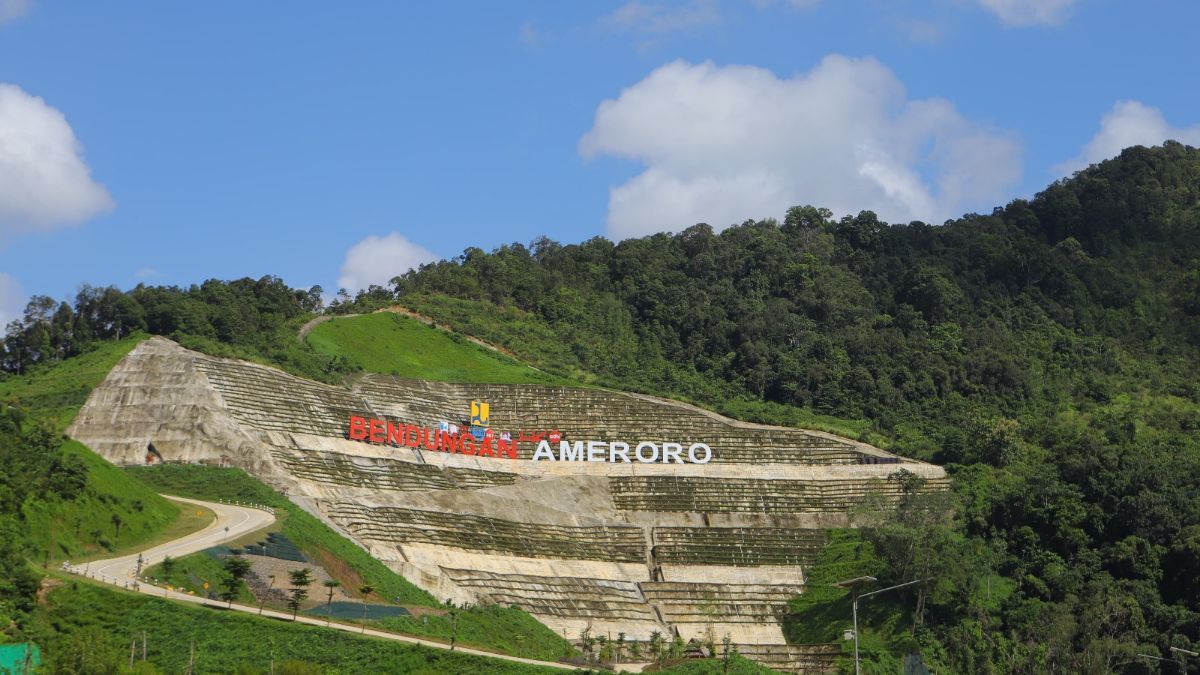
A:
x: 429, y: 439
x: 468, y: 444
x: 485, y: 449
x: 411, y: 438
x: 358, y: 428
x: 508, y: 448
x: 377, y: 432
x: 450, y: 442
x: 395, y: 433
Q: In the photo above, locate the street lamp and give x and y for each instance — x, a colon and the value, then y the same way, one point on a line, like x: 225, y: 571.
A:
x: 1183, y: 653
x: 851, y: 583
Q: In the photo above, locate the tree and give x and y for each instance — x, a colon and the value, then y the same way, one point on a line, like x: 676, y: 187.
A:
x: 656, y: 646
x: 236, y: 569
x: 329, y: 585
x: 301, y: 579
x: 365, y: 590
x: 168, y: 564
x: 117, y: 522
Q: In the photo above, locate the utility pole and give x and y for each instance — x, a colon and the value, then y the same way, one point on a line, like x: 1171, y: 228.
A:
x: 854, y: 608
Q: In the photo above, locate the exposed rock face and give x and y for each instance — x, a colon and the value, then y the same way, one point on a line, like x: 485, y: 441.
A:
x: 701, y: 549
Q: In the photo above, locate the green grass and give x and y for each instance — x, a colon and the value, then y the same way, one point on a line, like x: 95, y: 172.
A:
x: 506, y: 630
x: 390, y: 343
x: 503, y: 629
x: 56, y: 391
x: 83, y: 527
x: 738, y: 665
x: 191, y: 572
x: 83, y: 620
x: 345, y: 561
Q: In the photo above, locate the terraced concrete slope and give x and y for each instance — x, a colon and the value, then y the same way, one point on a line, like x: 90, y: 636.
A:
x: 703, y: 550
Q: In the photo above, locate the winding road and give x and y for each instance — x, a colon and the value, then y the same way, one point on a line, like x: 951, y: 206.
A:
x: 232, y: 522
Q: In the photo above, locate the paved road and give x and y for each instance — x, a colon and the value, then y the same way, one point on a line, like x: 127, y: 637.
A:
x: 232, y: 522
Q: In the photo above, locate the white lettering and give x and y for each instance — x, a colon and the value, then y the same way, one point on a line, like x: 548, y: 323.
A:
x: 596, y: 451
x: 618, y: 449
x: 568, y: 454
x: 692, y: 453
x: 646, y: 444
x: 672, y: 450
x: 544, y: 452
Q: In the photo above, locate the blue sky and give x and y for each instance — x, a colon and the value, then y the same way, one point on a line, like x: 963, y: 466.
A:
x: 340, y: 143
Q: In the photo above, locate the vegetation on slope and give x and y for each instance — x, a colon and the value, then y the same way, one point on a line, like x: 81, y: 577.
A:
x: 55, y: 390
x: 89, y: 628
x: 58, y: 500
x: 1045, y: 352
x: 391, y: 343
x: 503, y: 629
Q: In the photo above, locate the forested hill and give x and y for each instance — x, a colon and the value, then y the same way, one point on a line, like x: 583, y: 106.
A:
x: 1046, y: 352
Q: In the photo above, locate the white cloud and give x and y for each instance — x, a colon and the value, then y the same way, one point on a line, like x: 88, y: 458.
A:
x: 145, y: 273
x: 1029, y: 12
x: 1128, y: 123
x: 375, y: 260
x: 12, y: 300
x: 11, y: 10
x: 44, y: 182
x: 723, y: 144
x: 659, y: 18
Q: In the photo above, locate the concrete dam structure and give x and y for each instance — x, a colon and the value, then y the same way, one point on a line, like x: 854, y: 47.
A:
x: 700, y: 550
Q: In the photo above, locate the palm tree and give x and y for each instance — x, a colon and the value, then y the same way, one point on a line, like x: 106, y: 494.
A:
x: 365, y: 590
x: 330, y: 584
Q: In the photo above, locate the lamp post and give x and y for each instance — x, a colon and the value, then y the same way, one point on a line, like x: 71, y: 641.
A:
x: 1183, y: 653
x: 851, y: 583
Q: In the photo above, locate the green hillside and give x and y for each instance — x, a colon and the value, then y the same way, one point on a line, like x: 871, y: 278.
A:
x: 390, y: 343
x: 503, y: 629
x: 56, y: 390
x: 88, y: 628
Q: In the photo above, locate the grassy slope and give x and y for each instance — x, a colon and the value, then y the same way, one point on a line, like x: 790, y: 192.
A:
x: 191, y: 572
x: 57, y: 391
x: 538, y: 344
x: 84, y: 527
x: 398, y: 345
x: 501, y: 629
x: 81, y: 618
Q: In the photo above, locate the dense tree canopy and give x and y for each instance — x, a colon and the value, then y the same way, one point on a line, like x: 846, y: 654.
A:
x: 1045, y: 352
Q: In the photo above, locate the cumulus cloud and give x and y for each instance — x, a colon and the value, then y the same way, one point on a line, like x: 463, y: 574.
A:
x: 44, y: 182
x: 725, y: 143
x: 11, y: 300
x: 375, y: 260
x: 11, y: 10
x: 1020, y: 13
x: 1128, y: 123
x: 659, y: 18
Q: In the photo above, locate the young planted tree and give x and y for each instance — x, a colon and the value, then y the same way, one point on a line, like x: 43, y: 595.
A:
x: 330, y: 584
x: 236, y: 569
x: 168, y: 564
x: 365, y: 590
x: 301, y: 579
x: 117, y: 522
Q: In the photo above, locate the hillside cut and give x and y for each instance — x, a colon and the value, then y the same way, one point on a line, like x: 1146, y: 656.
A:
x: 698, y: 550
